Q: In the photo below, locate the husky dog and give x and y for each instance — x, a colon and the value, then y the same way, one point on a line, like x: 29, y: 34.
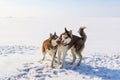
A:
x: 50, y: 46
x: 68, y: 41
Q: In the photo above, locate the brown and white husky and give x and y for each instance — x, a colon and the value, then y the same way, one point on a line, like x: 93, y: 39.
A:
x: 68, y: 41
x: 50, y: 46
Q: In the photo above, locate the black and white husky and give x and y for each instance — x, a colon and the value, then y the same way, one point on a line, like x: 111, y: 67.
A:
x: 68, y: 41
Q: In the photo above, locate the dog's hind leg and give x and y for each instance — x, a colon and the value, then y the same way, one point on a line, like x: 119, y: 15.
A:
x: 80, y: 57
x: 74, y: 56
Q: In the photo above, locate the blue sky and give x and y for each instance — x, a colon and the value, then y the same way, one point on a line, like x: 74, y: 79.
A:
x: 41, y: 8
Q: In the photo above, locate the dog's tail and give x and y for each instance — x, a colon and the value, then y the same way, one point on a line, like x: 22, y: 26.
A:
x: 82, y: 33
x: 43, y: 49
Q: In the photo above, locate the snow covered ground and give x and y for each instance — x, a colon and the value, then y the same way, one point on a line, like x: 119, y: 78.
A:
x: 24, y: 63
x: 20, y: 49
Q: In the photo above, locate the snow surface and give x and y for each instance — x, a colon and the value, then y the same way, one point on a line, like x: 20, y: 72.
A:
x: 24, y: 63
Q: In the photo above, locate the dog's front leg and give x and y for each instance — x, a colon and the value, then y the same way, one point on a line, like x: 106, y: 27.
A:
x: 59, y: 56
x: 53, y: 59
x: 63, y: 60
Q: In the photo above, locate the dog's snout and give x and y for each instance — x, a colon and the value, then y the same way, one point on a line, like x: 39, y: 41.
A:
x: 62, y: 41
x: 58, y: 41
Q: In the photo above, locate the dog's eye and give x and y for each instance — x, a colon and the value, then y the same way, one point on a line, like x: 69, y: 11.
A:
x: 66, y: 37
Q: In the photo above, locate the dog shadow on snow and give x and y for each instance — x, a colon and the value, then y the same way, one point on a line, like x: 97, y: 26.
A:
x: 99, y: 72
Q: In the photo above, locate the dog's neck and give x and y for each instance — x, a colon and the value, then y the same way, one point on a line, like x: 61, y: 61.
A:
x: 54, y: 47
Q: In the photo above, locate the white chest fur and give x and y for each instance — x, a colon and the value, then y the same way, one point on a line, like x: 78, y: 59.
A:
x: 62, y: 48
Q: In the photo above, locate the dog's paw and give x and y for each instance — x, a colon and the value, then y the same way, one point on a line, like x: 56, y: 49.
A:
x: 52, y: 67
x: 60, y: 66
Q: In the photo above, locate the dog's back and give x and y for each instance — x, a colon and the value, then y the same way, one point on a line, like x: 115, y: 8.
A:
x: 46, y: 45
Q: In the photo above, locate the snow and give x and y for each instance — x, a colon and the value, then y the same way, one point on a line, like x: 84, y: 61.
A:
x: 28, y: 66
x: 12, y: 58
x: 20, y: 58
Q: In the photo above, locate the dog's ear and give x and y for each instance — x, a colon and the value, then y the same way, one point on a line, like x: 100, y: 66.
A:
x: 50, y: 35
x: 70, y: 32
x: 54, y: 33
x: 66, y: 30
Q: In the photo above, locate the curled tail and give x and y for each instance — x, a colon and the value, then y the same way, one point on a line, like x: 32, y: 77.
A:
x: 82, y: 33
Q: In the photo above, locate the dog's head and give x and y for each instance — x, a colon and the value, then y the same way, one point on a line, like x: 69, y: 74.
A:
x: 53, y: 38
x: 65, y: 38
